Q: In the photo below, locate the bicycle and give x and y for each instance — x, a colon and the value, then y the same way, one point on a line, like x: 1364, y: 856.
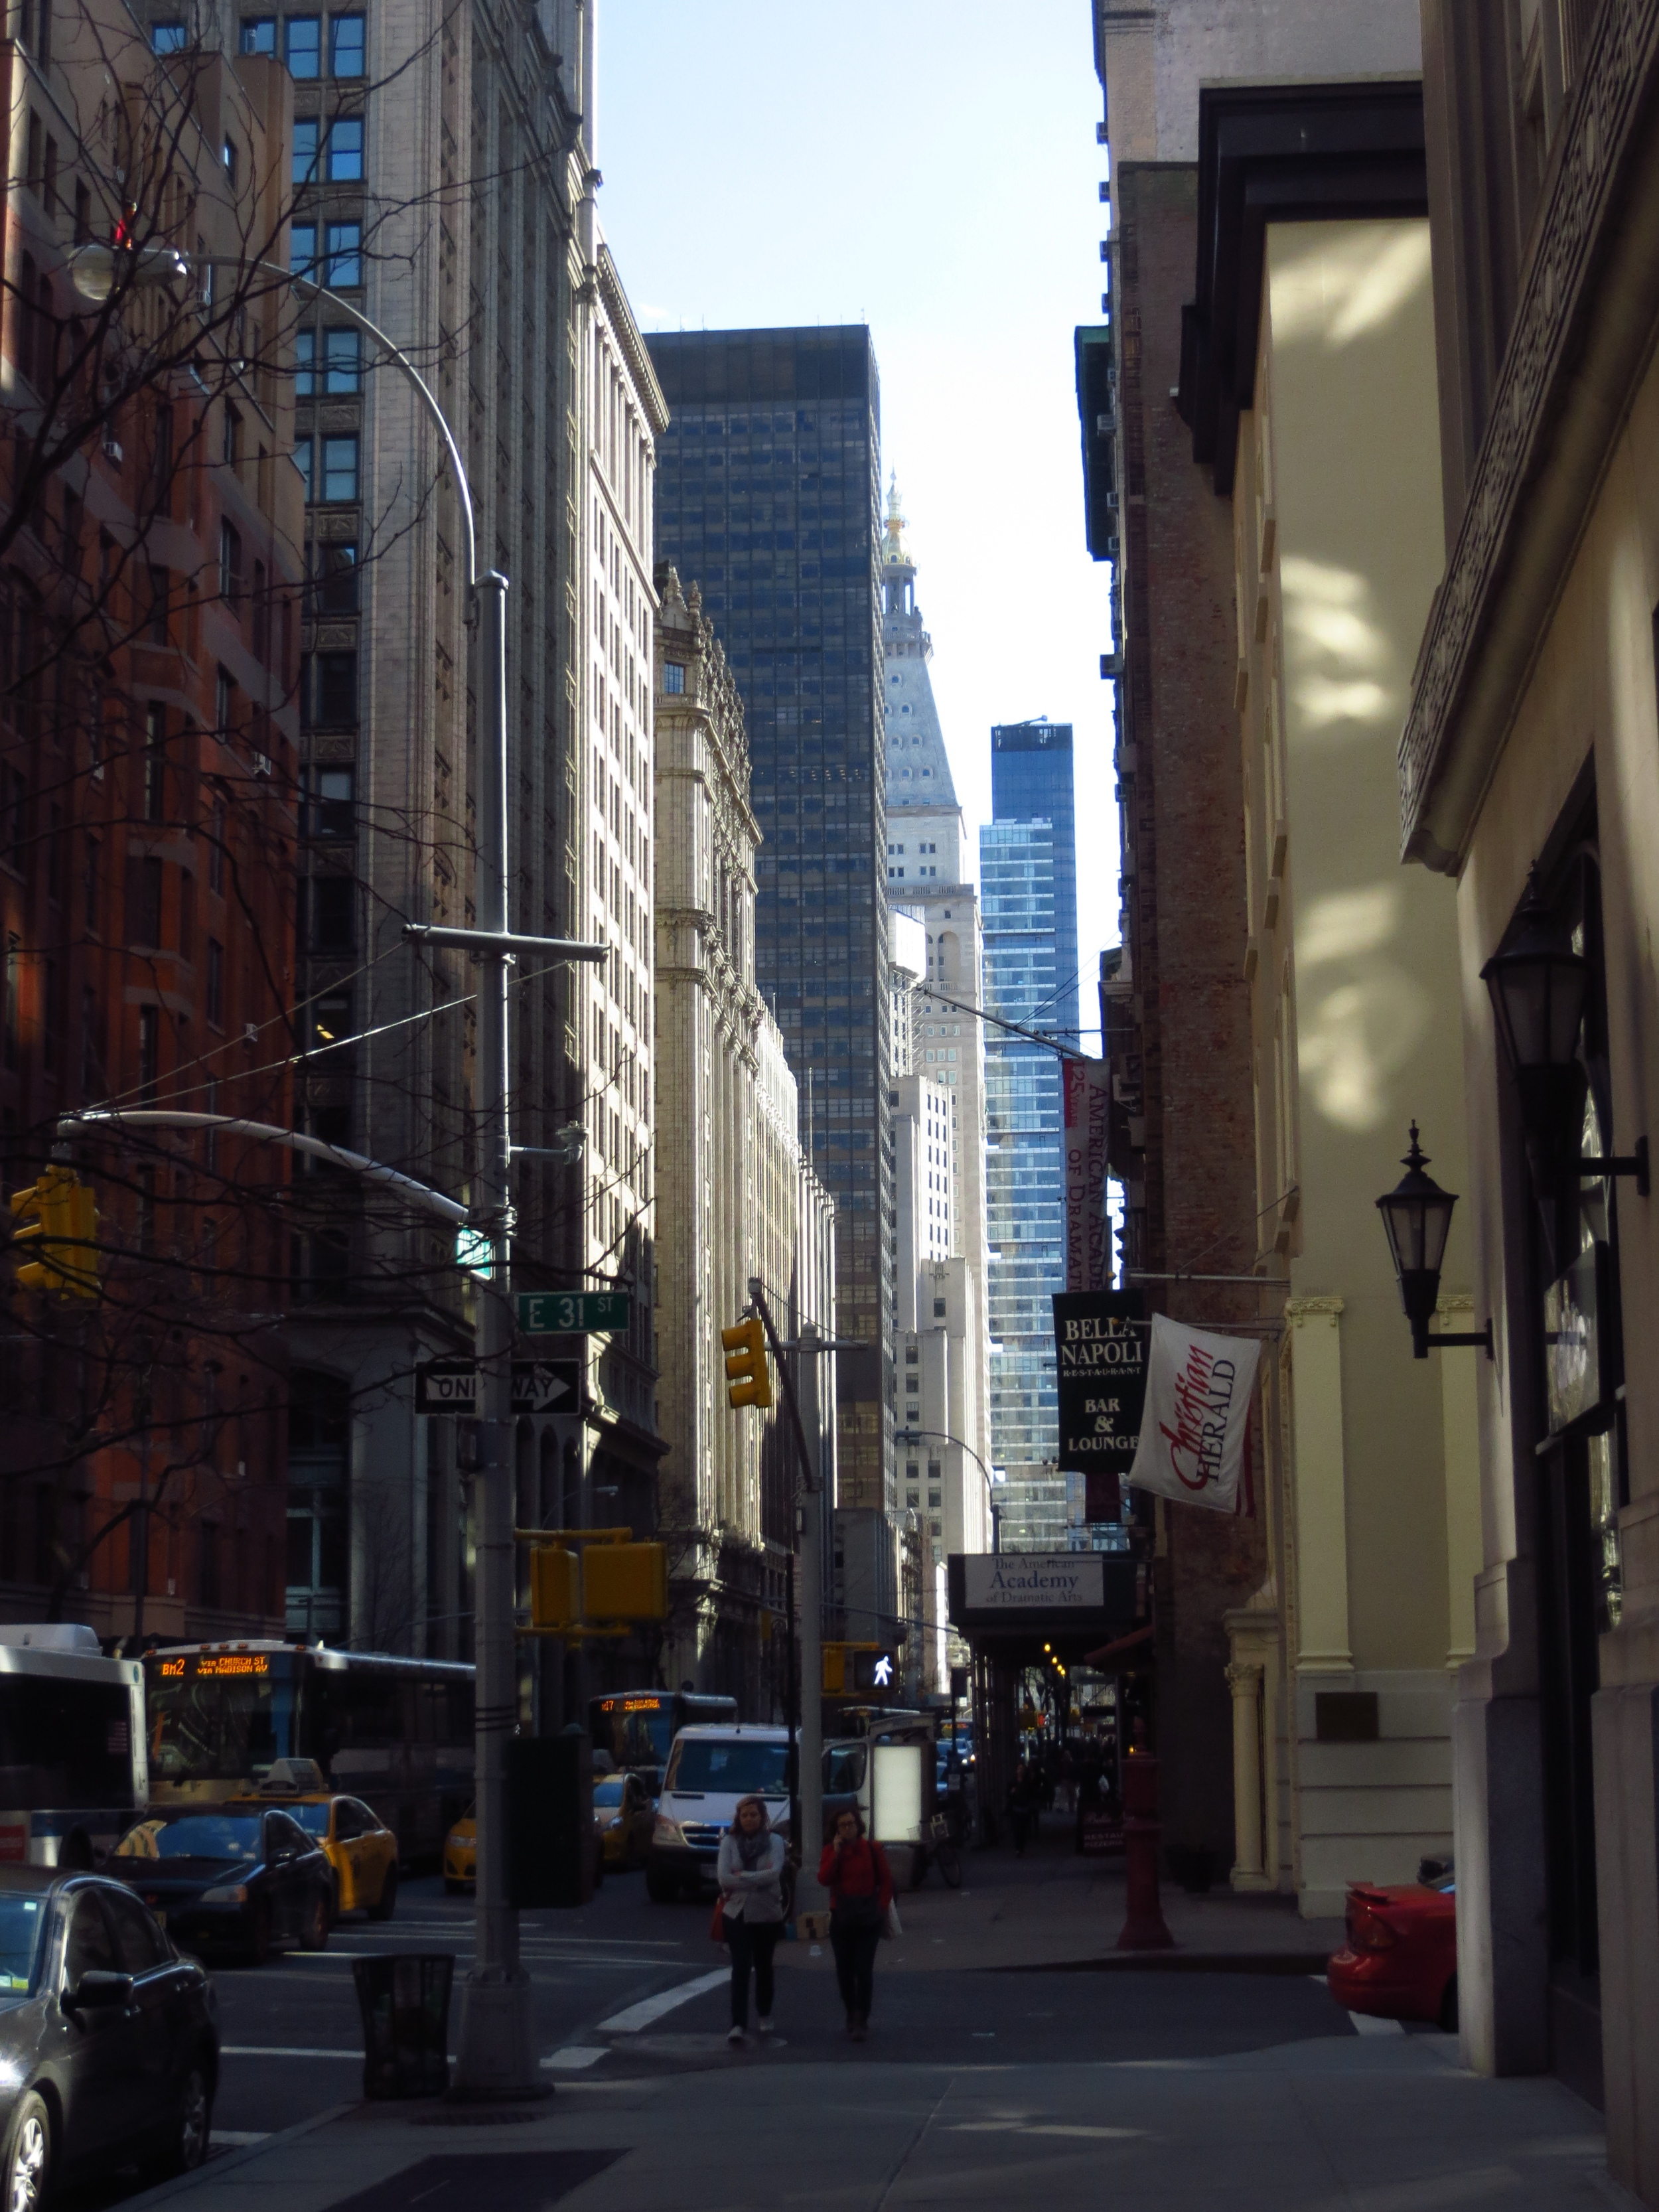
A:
x: 937, y: 1848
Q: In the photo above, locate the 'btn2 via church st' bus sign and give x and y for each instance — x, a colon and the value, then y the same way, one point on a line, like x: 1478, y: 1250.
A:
x: 571, y: 1313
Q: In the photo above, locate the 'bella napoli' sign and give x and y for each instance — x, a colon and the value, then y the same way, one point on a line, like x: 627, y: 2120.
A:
x: 1046, y: 1582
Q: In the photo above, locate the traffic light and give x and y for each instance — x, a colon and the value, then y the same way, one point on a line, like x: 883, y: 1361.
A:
x: 835, y: 1670
x: 62, y: 1226
x: 748, y: 1379
x: 556, y: 1587
x: 625, y: 1581
x: 875, y: 1670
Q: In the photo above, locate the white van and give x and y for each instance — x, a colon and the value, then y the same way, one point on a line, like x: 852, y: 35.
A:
x: 708, y: 1770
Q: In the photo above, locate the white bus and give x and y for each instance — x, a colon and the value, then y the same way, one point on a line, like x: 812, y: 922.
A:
x: 73, y: 1776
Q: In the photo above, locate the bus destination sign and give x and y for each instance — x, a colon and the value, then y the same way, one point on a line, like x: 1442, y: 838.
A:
x: 209, y: 1666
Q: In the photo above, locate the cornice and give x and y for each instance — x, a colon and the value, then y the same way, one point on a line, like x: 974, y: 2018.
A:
x: 1582, y: 331
x: 632, y: 344
x: 1297, y: 1311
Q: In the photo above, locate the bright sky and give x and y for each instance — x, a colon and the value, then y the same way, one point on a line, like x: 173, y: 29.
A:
x: 930, y: 169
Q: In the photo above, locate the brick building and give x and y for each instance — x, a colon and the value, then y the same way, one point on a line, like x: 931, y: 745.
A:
x: 149, y: 575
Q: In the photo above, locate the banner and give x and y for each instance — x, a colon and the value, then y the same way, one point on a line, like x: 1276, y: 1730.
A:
x: 1100, y: 1364
x: 1088, y: 1100
x: 1197, y: 1415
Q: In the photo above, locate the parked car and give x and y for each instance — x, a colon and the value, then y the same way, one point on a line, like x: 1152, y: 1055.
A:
x: 461, y: 1853
x: 359, y: 1846
x: 708, y: 1769
x: 109, y: 2039
x: 623, y: 1818
x: 1399, y: 1961
x: 243, y: 1881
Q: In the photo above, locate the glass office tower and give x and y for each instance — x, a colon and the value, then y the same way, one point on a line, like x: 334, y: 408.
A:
x: 767, y: 497
x: 1028, y: 899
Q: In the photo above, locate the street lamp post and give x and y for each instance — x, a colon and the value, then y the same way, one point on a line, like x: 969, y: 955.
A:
x: 496, y: 2054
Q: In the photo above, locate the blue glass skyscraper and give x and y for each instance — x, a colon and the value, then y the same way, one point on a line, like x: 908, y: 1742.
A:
x: 768, y: 499
x: 1028, y: 896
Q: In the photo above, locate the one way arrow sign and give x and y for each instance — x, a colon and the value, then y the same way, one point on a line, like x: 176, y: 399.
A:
x: 539, y: 1386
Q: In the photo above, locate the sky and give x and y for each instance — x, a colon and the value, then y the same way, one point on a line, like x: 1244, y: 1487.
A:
x: 930, y: 170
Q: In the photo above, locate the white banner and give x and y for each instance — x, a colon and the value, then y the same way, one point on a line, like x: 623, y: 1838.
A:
x: 1198, y: 1409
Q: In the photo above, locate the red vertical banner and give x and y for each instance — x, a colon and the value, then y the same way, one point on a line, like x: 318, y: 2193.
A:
x: 1087, y: 1096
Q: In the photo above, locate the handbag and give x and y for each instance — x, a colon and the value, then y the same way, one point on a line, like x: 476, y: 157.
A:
x: 717, y: 1925
x: 891, y: 1924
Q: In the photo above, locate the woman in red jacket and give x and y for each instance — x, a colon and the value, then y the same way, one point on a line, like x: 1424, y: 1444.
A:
x: 856, y: 1872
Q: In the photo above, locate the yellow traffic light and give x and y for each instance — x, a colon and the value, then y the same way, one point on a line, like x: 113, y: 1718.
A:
x: 835, y: 1670
x: 556, y: 1587
x: 748, y: 1379
x: 625, y: 1581
x: 61, y: 1216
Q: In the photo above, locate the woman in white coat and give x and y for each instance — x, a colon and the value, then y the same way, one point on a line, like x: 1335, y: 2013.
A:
x: 751, y: 1875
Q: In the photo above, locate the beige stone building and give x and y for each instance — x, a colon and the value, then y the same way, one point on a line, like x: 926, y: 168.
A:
x: 1320, y: 340
x: 736, y: 1198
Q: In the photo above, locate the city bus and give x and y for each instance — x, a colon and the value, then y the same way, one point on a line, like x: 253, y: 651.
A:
x: 638, y: 1727
x: 72, y: 1769
x: 397, y: 1733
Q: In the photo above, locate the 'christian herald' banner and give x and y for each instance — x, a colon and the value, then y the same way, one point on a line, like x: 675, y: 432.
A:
x: 1087, y: 1090
x: 1197, y: 1413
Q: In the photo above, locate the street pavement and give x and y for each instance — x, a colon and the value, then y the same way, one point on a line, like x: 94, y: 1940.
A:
x: 1014, y: 2057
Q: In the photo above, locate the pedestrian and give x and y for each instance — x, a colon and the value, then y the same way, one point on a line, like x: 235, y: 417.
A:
x: 749, y: 1871
x: 1023, y: 1795
x: 856, y: 1872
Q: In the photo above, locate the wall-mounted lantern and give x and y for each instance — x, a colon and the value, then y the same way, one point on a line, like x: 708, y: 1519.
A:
x: 1417, y: 1215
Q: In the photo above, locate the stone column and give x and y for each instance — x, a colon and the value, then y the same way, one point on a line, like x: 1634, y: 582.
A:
x: 1248, y: 1872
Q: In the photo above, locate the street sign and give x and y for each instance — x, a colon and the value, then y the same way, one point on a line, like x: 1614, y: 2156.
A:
x: 539, y: 1386
x: 571, y: 1313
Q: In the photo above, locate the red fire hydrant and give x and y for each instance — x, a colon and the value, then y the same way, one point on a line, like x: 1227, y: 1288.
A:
x: 1142, y: 1925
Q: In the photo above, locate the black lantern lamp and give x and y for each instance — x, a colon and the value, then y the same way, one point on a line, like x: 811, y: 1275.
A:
x: 1417, y: 1215
x: 1540, y: 987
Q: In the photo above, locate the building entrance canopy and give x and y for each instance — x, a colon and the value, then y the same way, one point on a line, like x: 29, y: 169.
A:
x: 1074, y: 1601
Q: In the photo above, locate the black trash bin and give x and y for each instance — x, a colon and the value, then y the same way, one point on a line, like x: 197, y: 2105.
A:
x: 403, y: 1998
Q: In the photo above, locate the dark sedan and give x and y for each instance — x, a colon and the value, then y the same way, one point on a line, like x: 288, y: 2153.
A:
x: 109, y: 2040
x: 246, y: 1882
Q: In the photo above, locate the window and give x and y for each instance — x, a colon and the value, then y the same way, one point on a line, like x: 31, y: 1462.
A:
x: 333, y: 914
x: 230, y: 442
x: 230, y: 160
x: 168, y: 38
x: 230, y: 563
x: 334, y: 578
x: 302, y: 45
x: 304, y: 457
x: 337, y: 688
x: 186, y: 915
x: 345, y: 46
x: 259, y: 34
x: 156, y: 622
x: 345, y: 255
x: 155, y: 762
x: 306, y: 129
x: 302, y: 253
x: 674, y: 676
x: 342, y: 361
x: 216, y: 983
x: 339, y: 471
x: 217, y: 827
x: 332, y: 812
x: 305, y: 362
x: 147, y: 882
x: 345, y: 150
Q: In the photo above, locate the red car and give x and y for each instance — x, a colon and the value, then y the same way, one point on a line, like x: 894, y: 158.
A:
x: 1399, y: 1961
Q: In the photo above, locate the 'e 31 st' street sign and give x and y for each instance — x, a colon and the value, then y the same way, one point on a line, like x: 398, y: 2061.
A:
x: 571, y: 1313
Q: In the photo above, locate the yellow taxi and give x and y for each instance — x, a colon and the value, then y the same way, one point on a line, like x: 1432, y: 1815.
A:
x: 624, y: 1814
x: 360, y: 1847
x: 461, y: 1853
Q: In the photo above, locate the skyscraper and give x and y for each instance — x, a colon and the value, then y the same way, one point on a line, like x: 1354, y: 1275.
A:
x: 767, y: 487
x: 1028, y: 890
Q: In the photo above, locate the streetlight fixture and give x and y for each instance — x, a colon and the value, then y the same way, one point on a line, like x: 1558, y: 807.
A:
x: 1417, y: 1217
x: 497, y: 2041
x: 1540, y: 987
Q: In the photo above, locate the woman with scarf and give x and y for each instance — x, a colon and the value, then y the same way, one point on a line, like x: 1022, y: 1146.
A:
x: 856, y: 1872
x: 749, y: 1871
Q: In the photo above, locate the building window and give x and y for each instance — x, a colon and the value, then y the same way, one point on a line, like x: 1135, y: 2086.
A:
x: 331, y: 812
x: 302, y: 249
x: 318, y: 1457
x: 333, y: 915
x: 230, y: 160
x: 149, y: 1050
x: 306, y: 129
x: 336, y: 703
x: 216, y: 983
x: 304, y: 363
x: 304, y: 460
x: 302, y: 45
x: 259, y: 34
x: 345, y: 255
x: 345, y: 151
x: 342, y: 361
x: 230, y: 563
x: 345, y: 46
x: 339, y: 473
x: 168, y: 38
x: 334, y: 578
x: 217, y: 826
x: 674, y: 676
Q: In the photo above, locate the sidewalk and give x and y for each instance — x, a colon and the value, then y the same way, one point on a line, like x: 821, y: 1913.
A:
x: 1325, y: 2126
x: 1053, y: 1909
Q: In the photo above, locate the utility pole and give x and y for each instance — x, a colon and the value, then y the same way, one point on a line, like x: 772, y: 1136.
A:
x: 809, y: 1895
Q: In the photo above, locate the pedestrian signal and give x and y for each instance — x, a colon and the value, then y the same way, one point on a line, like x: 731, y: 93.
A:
x: 874, y: 1670
x: 748, y: 1379
x: 62, y: 1224
x: 835, y: 1670
x: 556, y: 1587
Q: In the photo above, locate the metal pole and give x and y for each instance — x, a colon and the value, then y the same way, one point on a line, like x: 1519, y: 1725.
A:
x: 496, y: 2045
x: 809, y: 1895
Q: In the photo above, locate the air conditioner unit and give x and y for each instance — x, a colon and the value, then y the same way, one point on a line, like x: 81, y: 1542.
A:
x: 112, y: 452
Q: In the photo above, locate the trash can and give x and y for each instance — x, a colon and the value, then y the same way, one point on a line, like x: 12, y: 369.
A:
x: 403, y: 1998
